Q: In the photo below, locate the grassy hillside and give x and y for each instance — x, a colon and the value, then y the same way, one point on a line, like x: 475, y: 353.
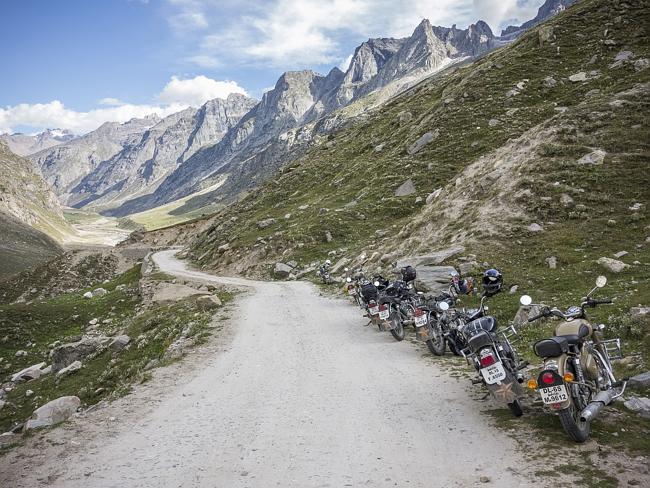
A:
x: 510, y: 132
x: 22, y: 246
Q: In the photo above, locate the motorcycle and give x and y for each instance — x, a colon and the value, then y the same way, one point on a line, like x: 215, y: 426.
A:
x: 353, y: 284
x: 432, y: 323
x: 324, y: 273
x: 397, y: 304
x: 495, y: 359
x: 577, y: 380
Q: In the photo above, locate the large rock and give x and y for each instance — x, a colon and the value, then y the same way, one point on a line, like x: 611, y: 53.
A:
x: 434, y: 278
x: 31, y: 373
x: 434, y: 258
x: 422, y: 141
x: 120, y: 342
x: 281, y: 270
x: 594, y: 157
x: 405, y: 189
x: 53, y: 412
x: 72, y: 368
x: 263, y: 224
x: 524, y: 313
x: 640, y: 381
x: 172, y: 292
x: 613, y: 265
x: 339, y: 264
x: 209, y: 302
x: 639, y: 405
x: 640, y: 312
x: 99, y: 292
x: 66, y: 354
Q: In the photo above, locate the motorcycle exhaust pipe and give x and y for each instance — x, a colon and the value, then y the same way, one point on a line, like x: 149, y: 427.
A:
x: 596, y: 405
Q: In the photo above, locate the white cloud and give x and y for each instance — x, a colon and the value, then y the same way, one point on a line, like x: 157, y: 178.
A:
x: 111, y: 102
x: 291, y: 34
x: 198, y: 90
x: 177, y: 95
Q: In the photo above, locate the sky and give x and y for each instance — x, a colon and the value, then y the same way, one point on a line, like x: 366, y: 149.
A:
x: 74, y: 64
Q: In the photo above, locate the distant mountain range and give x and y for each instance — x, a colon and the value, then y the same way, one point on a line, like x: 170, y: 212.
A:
x: 24, y: 144
x: 120, y: 169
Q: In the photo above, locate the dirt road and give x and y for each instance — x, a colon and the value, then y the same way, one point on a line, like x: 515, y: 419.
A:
x: 303, y: 396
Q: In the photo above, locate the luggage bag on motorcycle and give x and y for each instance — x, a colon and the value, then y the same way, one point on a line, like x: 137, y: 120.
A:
x: 369, y: 292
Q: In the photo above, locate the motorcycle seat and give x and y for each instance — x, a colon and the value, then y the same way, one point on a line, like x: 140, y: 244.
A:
x: 573, y: 339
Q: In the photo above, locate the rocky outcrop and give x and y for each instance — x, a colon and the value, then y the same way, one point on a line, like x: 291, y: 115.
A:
x: 66, y: 354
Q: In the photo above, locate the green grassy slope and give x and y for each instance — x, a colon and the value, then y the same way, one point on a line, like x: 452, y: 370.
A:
x: 511, y: 129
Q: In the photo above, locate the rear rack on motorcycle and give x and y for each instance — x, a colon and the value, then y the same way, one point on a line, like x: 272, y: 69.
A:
x: 613, y: 348
x: 509, y: 332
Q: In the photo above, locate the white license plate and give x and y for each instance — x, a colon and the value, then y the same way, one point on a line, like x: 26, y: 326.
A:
x: 554, y: 394
x: 374, y: 310
x: 494, y: 373
x: 384, y: 314
x: 421, y: 321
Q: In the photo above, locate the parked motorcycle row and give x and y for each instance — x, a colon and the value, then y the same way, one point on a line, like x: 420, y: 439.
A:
x: 576, y: 380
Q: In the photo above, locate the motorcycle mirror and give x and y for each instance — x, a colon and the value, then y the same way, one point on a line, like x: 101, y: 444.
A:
x: 345, y: 269
x: 348, y: 279
x: 526, y: 300
x: 601, y: 281
x: 443, y: 306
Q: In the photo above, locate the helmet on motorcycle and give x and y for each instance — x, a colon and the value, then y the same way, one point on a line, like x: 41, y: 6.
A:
x: 408, y: 273
x: 328, y: 262
x: 462, y: 286
x: 492, y: 282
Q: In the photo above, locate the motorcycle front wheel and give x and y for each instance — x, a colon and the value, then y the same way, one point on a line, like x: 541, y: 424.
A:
x: 397, y: 331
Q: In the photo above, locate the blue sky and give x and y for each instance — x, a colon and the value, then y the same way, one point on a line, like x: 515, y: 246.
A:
x: 77, y: 63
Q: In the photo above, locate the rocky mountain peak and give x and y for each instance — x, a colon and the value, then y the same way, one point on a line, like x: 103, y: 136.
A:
x: 548, y: 9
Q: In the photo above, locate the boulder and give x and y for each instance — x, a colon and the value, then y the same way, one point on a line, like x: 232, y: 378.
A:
x: 594, y: 157
x: 120, y: 342
x: 54, y: 412
x: 577, y: 77
x: 552, y: 262
x: 405, y: 189
x: 639, y: 312
x: 340, y: 264
x: 566, y: 200
x: 99, y: 292
x: 535, y: 227
x: 88, y: 295
x: 434, y: 278
x: 641, y: 64
x: 66, y: 354
x: 430, y: 259
x: 72, y: 368
x: 292, y: 264
x: 640, y: 381
x: 613, y: 265
x: 31, y: 373
x: 432, y: 196
x: 422, y: 141
x: 281, y: 270
x: 524, y: 313
x: 639, y: 405
x: 328, y: 236
x: 209, y: 302
x: 223, y: 248
x: 263, y: 224
x: 173, y: 292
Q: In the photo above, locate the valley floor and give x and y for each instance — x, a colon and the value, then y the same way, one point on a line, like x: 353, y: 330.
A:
x: 299, y: 394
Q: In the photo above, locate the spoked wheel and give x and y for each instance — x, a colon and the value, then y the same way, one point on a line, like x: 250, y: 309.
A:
x: 437, y: 345
x: 397, y: 331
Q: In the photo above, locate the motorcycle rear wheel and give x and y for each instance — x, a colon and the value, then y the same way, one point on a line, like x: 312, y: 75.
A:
x: 397, y: 331
x: 572, y: 425
x: 437, y: 345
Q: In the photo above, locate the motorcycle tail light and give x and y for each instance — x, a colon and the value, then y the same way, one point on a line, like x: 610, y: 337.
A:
x: 419, y: 312
x: 548, y: 378
x: 372, y: 303
x: 383, y: 308
x: 487, y: 360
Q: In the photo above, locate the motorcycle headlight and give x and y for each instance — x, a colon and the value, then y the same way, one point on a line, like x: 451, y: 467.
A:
x: 376, y: 283
x: 348, y: 279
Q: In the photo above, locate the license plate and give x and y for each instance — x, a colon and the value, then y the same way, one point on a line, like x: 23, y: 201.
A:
x: 494, y: 373
x: 374, y: 310
x: 383, y: 315
x: 421, y: 321
x: 554, y: 394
